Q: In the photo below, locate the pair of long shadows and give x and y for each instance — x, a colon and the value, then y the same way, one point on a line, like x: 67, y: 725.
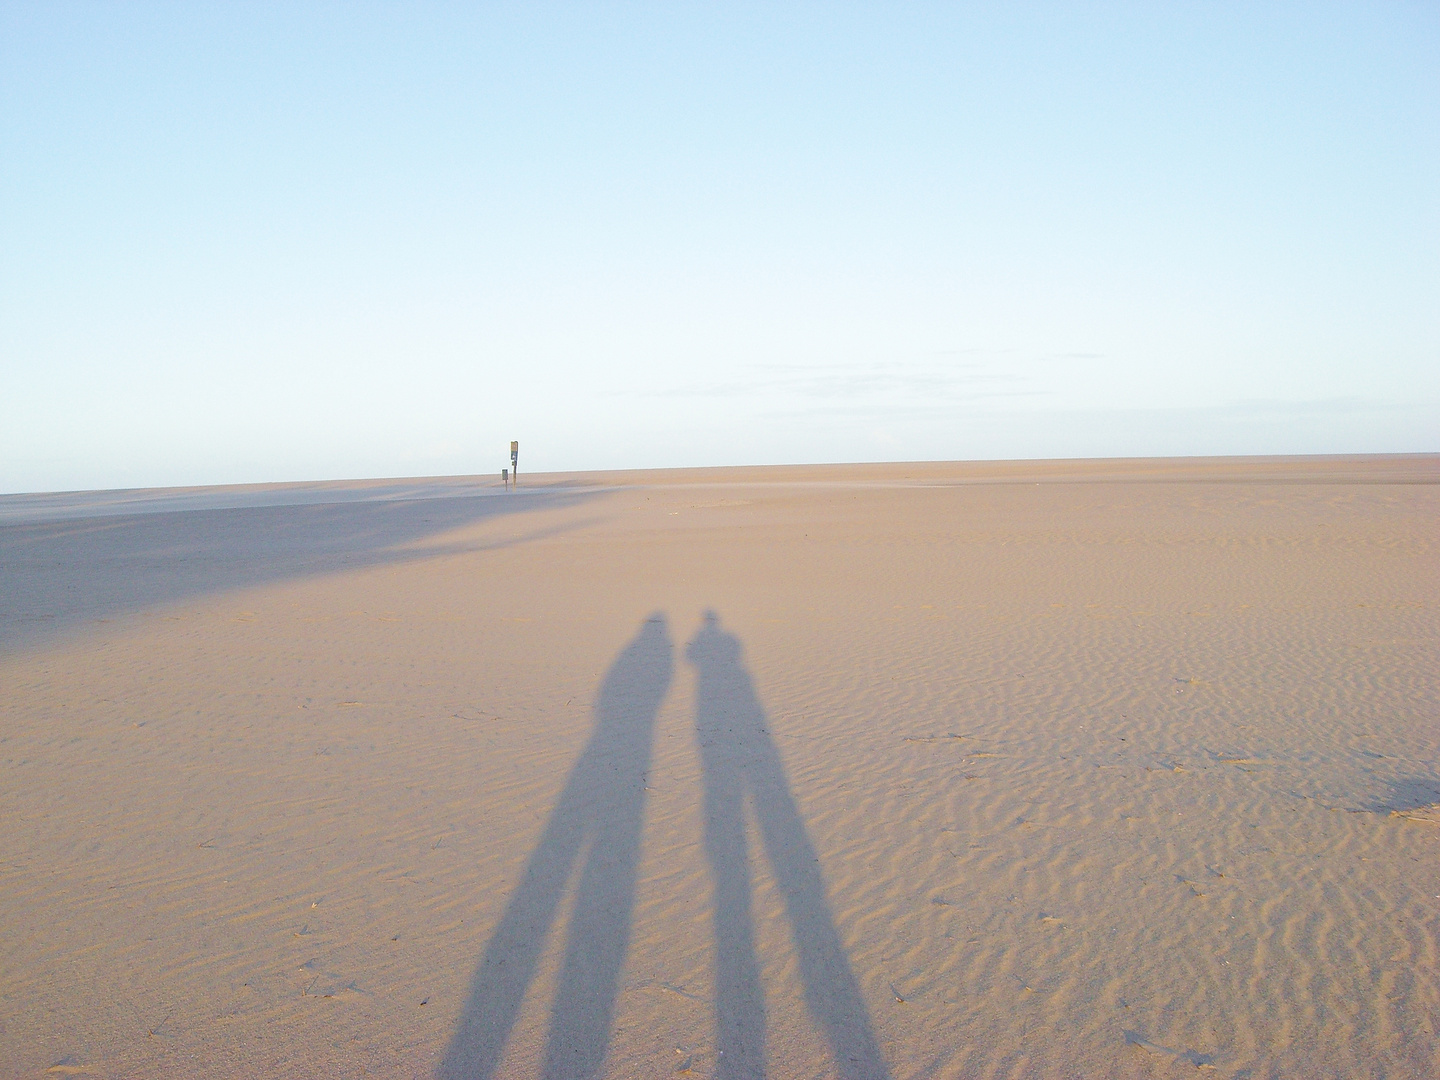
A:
x: 599, y: 817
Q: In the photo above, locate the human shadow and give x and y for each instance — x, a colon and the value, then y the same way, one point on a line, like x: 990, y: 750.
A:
x: 75, y: 560
x: 741, y: 762
x: 600, y: 813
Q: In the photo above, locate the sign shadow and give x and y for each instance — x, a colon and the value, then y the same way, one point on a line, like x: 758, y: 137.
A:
x: 78, y: 560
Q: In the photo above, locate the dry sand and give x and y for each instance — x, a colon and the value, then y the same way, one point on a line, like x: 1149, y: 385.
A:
x: 1019, y: 769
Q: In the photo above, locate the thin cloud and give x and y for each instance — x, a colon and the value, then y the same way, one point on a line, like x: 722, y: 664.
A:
x: 889, y: 381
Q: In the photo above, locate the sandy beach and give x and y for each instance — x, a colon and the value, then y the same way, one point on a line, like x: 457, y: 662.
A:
x: 1012, y: 769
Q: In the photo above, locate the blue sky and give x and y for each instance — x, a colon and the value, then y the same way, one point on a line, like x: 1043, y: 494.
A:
x: 255, y: 242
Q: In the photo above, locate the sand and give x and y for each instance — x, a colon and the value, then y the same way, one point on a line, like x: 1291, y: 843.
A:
x: 1013, y: 769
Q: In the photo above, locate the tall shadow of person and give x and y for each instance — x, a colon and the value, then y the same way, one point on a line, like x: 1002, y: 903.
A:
x: 740, y: 760
x: 603, y: 806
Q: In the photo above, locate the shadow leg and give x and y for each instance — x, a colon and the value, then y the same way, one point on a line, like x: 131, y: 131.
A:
x: 831, y: 991
x: 742, y: 756
x: 739, y: 997
x: 603, y: 801
x: 514, y: 949
x: 599, y: 933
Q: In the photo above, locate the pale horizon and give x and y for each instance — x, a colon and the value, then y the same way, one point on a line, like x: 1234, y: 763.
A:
x: 462, y: 482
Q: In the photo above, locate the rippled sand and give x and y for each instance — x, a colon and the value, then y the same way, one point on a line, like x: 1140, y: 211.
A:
x: 1017, y: 769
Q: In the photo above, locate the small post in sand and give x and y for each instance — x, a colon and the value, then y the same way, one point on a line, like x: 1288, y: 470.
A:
x: 515, y: 460
x: 505, y: 478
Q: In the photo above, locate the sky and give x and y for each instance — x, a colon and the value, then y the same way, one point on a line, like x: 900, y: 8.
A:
x: 251, y: 242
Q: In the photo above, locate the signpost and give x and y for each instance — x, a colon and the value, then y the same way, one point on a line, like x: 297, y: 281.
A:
x: 515, y: 460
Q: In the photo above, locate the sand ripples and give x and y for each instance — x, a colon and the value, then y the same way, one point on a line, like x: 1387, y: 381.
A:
x: 1099, y: 780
